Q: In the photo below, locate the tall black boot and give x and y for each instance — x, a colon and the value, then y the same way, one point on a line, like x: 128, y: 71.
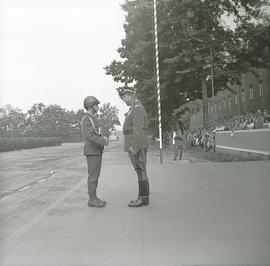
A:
x: 140, y: 187
x: 143, y: 198
x: 145, y: 191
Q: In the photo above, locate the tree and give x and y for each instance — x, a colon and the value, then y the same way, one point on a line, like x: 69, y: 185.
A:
x: 192, y: 38
x: 53, y: 120
x: 108, y: 118
x: 137, y: 54
x: 12, y: 121
x: 33, y: 119
x: 41, y: 121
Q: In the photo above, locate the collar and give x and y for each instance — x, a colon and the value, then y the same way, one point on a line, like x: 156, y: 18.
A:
x: 136, y: 103
x: 92, y: 114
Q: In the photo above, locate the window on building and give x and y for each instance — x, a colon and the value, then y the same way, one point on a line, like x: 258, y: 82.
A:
x: 243, y: 96
x: 230, y: 101
x: 224, y: 103
x: 251, y: 93
x: 219, y: 106
x: 215, y: 107
x: 236, y: 99
x: 260, y: 88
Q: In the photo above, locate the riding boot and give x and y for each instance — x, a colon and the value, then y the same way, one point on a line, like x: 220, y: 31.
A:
x: 143, y: 198
x: 137, y: 203
x: 140, y: 187
x: 145, y: 191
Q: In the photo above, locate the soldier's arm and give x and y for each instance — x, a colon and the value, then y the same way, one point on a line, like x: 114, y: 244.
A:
x: 90, y: 135
x: 138, y: 118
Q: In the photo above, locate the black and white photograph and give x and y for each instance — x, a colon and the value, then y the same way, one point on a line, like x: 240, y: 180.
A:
x: 134, y: 133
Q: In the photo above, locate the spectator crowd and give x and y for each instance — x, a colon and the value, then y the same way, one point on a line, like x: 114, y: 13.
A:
x: 205, y: 139
x: 260, y: 119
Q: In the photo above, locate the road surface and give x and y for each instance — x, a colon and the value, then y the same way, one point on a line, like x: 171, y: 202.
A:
x: 200, y: 213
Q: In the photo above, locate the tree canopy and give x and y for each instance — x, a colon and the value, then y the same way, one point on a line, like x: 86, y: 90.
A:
x: 52, y: 121
x: 108, y: 118
x: 231, y: 36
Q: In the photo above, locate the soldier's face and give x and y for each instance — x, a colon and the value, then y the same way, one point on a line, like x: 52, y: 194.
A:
x: 128, y: 99
x: 95, y: 108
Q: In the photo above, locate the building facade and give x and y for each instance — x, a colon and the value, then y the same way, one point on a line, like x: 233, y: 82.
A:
x: 251, y: 95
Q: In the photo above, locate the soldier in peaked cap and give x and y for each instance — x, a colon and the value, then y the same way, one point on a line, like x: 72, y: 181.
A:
x: 93, y: 149
x: 136, y: 142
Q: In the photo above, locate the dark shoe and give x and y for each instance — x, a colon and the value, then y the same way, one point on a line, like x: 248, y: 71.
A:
x: 145, y: 200
x: 94, y: 202
x: 137, y: 203
x: 132, y: 201
x: 103, y: 201
x: 140, y: 201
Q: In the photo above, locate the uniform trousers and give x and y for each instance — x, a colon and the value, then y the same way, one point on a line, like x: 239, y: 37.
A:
x: 178, y: 150
x: 139, y: 164
x: 94, y: 166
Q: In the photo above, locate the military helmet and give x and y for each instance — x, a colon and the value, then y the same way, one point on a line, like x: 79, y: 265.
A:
x: 125, y: 90
x: 89, y: 101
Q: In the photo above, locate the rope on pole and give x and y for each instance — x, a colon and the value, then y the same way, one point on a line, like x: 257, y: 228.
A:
x: 157, y: 80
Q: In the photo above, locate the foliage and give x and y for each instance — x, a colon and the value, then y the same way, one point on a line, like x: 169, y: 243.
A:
x: 227, y: 156
x: 108, y: 118
x: 17, y: 143
x: 193, y: 36
x: 50, y: 121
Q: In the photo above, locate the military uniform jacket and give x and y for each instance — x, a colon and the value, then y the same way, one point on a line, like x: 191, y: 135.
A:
x: 179, y: 138
x: 93, y: 142
x: 134, y: 128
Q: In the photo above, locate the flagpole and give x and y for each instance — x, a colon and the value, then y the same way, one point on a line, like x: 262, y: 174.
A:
x: 158, y: 83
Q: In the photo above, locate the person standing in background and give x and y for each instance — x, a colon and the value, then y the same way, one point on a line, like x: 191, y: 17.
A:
x: 178, y: 143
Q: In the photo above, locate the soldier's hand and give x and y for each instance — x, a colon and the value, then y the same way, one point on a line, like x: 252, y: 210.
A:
x: 132, y: 151
x: 107, y: 141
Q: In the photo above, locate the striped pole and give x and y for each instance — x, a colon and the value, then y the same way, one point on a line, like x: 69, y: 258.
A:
x: 158, y: 85
x: 212, y: 73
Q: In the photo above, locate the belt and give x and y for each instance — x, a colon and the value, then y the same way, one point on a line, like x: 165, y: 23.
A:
x: 128, y: 132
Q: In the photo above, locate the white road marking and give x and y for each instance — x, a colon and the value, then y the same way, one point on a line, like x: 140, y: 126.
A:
x: 4, y: 198
x: 40, y: 216
x: 52, y: 176
x: 24, y: 188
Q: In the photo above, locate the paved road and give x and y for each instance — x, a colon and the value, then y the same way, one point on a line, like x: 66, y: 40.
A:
x: 200, y: 213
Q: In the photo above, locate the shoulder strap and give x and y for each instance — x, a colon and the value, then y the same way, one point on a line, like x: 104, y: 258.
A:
x: 93, y: 124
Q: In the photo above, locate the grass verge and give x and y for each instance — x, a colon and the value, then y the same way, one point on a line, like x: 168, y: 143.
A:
x: 227, y: 156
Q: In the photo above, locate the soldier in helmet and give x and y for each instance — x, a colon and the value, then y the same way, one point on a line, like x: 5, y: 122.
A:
x: 93, y: 149
x: 136, y: 142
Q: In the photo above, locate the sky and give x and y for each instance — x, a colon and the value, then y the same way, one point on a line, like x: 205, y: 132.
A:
x: 54, y: 51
